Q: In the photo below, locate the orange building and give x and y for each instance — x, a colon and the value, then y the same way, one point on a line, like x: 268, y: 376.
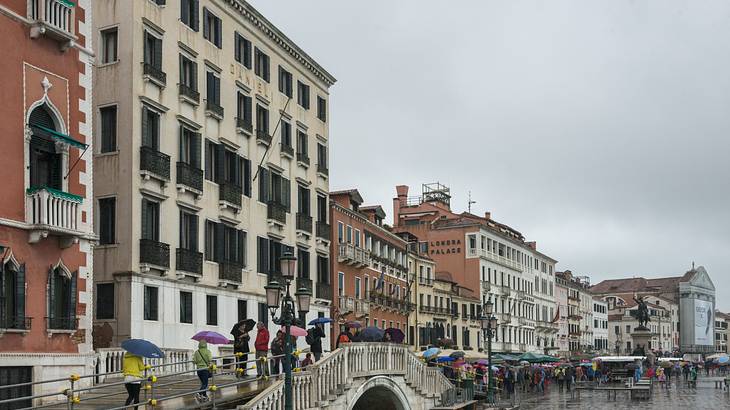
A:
x: 370, y: 273
x: 45, y: 207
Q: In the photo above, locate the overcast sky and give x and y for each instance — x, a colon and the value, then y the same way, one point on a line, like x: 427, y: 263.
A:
x: 599, y: 129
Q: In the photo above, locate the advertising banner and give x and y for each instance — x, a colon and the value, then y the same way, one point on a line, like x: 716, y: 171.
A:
x: 704, y: 323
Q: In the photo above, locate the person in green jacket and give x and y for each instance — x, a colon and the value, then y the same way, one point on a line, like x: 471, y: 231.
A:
x: 201, y: 359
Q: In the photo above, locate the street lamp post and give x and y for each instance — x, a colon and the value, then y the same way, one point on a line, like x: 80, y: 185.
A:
x: 288, y: 316
x: 489, y: 327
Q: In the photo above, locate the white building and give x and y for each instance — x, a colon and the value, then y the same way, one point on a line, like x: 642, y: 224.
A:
x: 600, y: 326
x: 208, y: 117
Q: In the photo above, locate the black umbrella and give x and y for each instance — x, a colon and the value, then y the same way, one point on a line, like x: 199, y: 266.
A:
x: 457, y: 354
x: 248, y: 325
x: 396, y: 335
x: 371, y: 334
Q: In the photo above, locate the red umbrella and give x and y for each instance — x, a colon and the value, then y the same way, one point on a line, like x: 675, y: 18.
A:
x: 295, y: 331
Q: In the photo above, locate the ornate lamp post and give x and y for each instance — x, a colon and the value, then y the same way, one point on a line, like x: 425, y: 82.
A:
x: 489, y: 327
x: 288, y: 317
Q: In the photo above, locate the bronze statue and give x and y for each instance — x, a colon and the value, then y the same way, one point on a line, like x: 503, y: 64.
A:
x: 642, y: 312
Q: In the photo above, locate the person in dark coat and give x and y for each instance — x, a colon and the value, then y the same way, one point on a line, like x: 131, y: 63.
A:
x: 241, y: 340
x: 314, y: 338
x: 277, y: 350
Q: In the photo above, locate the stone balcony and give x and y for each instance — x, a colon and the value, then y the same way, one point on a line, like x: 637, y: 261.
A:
x: 54, y: 19
x: 52, y: 211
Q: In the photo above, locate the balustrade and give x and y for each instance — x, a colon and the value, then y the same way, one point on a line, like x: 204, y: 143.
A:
x: 53, y: 209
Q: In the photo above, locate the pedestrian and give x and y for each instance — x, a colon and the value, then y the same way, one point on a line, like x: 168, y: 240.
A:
x: 132, y: 368
x: 560, y: 374
x: 661, y: 378
x: 307, y: 360
x: 201, y: 360
x: 262, y: 349
x: 241, y: 340
x: 314, y: 340
x: 344, y: 337
x: 277, y: 350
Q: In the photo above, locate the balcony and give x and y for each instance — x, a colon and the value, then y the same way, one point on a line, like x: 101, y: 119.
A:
x: 53, y: 18
x: 263, y: 137
x: 213, y: 109
x: 15, y: 323
x: 305, y: 283
x: 229, y: 272
x: 62, y: 323
x: 189, y: 94
x: 486, y: 287
x: 425, y: 280
x: 287, y: 150
x: 353, y: 255
x: 276, y: 213
x: 323, y: 230
x: 575, y: 298
x: 304, y: 223
x: 303, y: 158
x: 154, y: 74
x: 322, y: 169
x: 244, y: 126
x: 347, y: 304
x: 189, y: 261
x: 506, y: 290
x: 155, y: 163
x: 50, y: 210
x: 230, y: 194
x: 323, y: 291
x: 154, y: 253
x: 190, y: 176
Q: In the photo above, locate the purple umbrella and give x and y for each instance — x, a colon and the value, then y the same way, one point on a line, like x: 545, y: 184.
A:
x: 396, y: 335
x: 211, y: 337
x: 483, y: 362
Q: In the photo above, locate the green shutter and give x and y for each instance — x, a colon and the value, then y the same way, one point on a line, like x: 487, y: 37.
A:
x: 194, y: 80
x: 219, y: 246
x: 205, y: 24
x: 195, y: 150
x: 146, y: 137
x: 263, y: 185
x: 51, y: 296
x: 196, y: 15
x: 286, y: 193
x: 194, y: 232
x: 145, y: 221
x: 220, y: 163
x: 19, y: 296
x: 72, y: 300
x: 247, y: 177
x: 158, y: 54
x: 185, y: 11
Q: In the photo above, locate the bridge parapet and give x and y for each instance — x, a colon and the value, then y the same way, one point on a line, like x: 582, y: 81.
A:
x: 322, y: 382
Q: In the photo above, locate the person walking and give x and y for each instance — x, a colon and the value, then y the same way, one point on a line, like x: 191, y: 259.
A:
x: 132, y: 368
x: 277, y: 350
x: 262, y: 349
x: 201, y: 360
x: 314, y: 339
x: 240, y: 345
x: 560, y: 375
x: 344, y: 337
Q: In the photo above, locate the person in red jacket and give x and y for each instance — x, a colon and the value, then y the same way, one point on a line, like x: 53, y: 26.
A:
x: 262, y: 349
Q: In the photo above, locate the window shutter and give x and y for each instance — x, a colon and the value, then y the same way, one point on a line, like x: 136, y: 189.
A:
x: 205, y: 24
x: 55, y: 177
x: 219, y: 33
x: 158, y: 53
x: 194, y: 80
x: 217, y: 82
x: 146, y: 137
x: 182, y: 69
x: 145, y: 220
x: 247, y: 177
x: 71, y: 310
x: 220, y: 162
x: 263, y: 185
x: 195, y: 150
x: 237, y: 47
x: 185, y: 11
x: 219, y: 239
x: 194, y: 232
x: 286, y: 192
x: 20, y: 296
x: 239, y: 171
x: 263, y: 255
x: 196, y: 16
x: 51, y: 297
x: 241, y: 247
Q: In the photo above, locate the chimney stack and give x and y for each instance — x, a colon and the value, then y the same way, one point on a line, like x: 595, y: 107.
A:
x: 532, y: 245
x: 400, y: 201
x: 488, y: 215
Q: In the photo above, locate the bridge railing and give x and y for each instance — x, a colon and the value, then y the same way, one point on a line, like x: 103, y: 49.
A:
x: 321, y: 381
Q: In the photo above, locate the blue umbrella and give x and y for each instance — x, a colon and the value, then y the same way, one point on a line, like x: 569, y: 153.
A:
x: 723, y: 360
x: 371, y: 334
x: 444, y: 359
x: 143, y: 348
x: 431, y: 352
x: 319, y: 320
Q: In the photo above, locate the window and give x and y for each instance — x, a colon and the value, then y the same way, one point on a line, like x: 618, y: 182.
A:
x: 152, y: 51
x: 285, y: 82
x: 303, y: 263
x: 303, y: 94
x: 108, y: 128
x: 104, y: 301
x: 323, y: 269
x: 213, y: 89
x: 225, y: 243
x: 188, y: 76
x: 12, y: 298
x: 210, y: 160
x: 210, y: 240
x: 107, y: 221
x: 273, y: 187
x: 109, y: 46
x: 357, y: 238
x: 286, y: 135
x: 340, y: 229
x: 349, y: 234
x: 212, y: 28
x: 321, y: 156
x: 186, y: 307
x: 242, y: 50
x: 303, y: 200
x: 357, y: 288
x: 45, y: 162
x: 189, y: 13
x: 269, y: 252
x: 262, y: 119
x: 243, y: 111
x: 189, y: 147
x: 242, y: 310
x: 341, y: 283
x: 321, y: 108
x: 263, y: 313
x: 150, y: 128
x: 150, y: 303
x: 188, y: 231
x: 150, y: 220
x: 262, y: 65
x: 211, y: 310
x: 322, y: 208
x: 302, y: 145
x: 367, y: 287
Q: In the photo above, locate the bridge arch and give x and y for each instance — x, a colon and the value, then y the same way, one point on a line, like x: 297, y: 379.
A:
x: 379, y: 392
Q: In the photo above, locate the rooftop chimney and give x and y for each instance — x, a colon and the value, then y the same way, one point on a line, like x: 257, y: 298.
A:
x: 400, y: 201
x: 532, y: 245
x: 488, y: 215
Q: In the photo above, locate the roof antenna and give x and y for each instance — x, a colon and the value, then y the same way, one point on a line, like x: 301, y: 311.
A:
x: 469, y: 204
x: 693, y: 265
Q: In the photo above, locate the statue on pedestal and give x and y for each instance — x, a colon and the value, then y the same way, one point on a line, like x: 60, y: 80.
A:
x: 642, y: 313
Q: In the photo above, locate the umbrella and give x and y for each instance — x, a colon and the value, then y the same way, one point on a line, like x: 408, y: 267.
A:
x: 723, y: 360
x: 445, y: 359
x: 295, y: 331
x: 524, y: 362
x: 507, y: 357
x: 483, y: 362
x: 396, y: 335
x: 431, y: 352
x: 248, y: 325
x: 666, y: 364
x: 457, y: 354
x: 354, y: 324
x: 319, y: 320
x: 371, y: 334
x: 144, y: 348
x: 211, y: 337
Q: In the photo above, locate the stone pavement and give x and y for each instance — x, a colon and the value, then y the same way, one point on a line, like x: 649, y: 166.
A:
x: 705, y: 396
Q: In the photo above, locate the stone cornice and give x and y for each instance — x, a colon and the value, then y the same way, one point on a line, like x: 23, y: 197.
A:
x: 286, y: 44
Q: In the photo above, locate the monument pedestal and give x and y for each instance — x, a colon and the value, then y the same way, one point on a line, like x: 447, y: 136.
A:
x: 641, y: 337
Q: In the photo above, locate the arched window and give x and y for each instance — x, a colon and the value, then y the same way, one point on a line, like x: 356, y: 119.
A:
x: 45, y: 160
x: 12, y: 294
x: 61, y: 298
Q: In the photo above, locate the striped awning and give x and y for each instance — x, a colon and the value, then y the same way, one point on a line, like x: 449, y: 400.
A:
x: 66, y: 139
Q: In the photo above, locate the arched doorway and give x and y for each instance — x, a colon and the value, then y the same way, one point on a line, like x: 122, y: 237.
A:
x: 381, y: 393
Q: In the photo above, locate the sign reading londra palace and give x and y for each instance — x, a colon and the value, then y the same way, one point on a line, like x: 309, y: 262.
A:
x: 445, y: 247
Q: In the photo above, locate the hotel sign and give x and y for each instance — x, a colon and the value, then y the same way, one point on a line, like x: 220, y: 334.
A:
x: 448, y: 246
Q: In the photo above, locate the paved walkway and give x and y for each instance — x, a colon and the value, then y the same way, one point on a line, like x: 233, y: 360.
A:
x: 705, y: 396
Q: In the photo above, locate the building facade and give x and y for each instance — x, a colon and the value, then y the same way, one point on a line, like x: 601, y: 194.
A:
x: 488, y: 258
x: 579, y: 316
x: 600, y: 326
x: 46, y: 213
x: 370, y: 273
x: 721, y: 333
x: 563, y: 336
x: 212, y: 145
x: 622, y: 322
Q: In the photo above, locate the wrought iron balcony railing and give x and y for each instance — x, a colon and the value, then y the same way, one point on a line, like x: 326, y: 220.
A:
x: 323, y: 230
x: 189, y: 261
x: 62, y: 323
x: 214, y: 108
x: 189, y: 176
x: 155, y: 73
x: 304, y: 222
x: 244, y: 124
x: 276, y: 211
x: 322, y: 169
x: 189, y: 92
x: 154, y: 253
x: 13, y: 322
x: 230, y: 193
x: 230, y: 271
x: 287, y: 149
x: 155, y: 162
x: 303, y: 158
x: 263, y: 136
x: 324, y: 291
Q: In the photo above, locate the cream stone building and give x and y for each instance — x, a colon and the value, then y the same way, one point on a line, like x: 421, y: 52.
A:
x: 211, y: 162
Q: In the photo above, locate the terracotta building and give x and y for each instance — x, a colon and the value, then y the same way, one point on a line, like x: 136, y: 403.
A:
x: 369, y: 274
x: 46, y: 209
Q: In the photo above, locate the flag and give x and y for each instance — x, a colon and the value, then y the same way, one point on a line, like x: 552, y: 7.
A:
x: 381, y: 281
x: 557, y: 315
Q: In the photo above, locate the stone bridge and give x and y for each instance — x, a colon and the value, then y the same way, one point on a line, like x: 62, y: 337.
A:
x: 362, y: 376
